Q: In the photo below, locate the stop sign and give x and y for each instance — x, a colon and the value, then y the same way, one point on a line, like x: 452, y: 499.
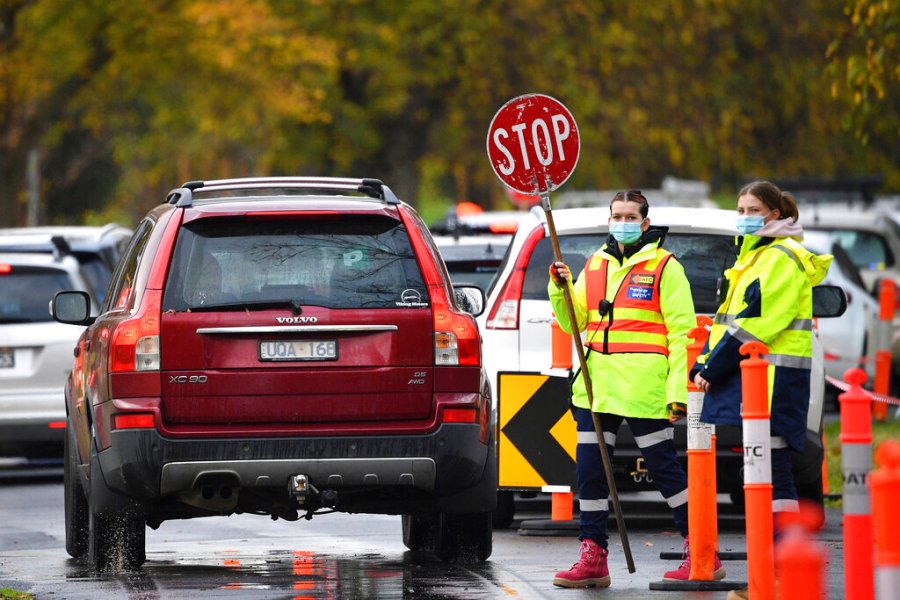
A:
x: 533, y: 143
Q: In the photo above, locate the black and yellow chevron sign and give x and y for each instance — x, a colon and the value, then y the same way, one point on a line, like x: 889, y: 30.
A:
x: 537, y: 431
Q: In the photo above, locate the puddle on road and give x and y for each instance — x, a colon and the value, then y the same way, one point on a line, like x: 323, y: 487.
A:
x: 302, y: 575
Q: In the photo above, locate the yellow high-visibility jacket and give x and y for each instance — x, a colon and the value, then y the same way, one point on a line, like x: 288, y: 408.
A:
x: 628, y: 383
x: 769, y: 299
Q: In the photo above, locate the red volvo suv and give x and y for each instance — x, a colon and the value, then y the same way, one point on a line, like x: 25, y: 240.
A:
x: 284, y: 347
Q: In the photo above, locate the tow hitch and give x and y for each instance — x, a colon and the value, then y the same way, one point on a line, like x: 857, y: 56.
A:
x: 308, y: 496
x: 640, y: 472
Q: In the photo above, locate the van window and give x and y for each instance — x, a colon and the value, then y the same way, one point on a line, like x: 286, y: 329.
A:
x: 349, y: 261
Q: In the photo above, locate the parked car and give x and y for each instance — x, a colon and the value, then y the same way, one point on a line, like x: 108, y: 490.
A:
x: 476, y: 221
x: 286, y: 347
x: 35, y: 353
x: 871, y: 242
x: 97, y: 248
x: 517, y: 336
x: 473, y: 259
x: 845, y: 340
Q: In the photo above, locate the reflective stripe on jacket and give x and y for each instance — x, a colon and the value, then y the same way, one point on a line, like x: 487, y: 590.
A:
x: 633, y: 384
x: 633, y: 322
x: 769, y: 299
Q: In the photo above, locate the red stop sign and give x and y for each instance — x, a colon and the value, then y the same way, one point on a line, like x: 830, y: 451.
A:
x: 533, y: 143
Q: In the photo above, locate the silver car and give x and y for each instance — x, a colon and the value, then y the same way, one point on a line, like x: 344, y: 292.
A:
x: 35, y: 353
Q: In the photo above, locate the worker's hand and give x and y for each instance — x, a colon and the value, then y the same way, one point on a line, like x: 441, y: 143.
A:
x: 702, y: 384
x: 677, y: 411
x: 559, y: 273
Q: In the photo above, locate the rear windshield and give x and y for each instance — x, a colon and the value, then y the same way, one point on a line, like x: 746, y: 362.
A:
x: 346, y: 262
x: 704, y: 257
x: 25, y: 293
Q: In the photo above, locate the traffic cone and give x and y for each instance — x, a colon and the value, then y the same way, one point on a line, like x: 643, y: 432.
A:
x: 885, y: 485
x: 856, y: 462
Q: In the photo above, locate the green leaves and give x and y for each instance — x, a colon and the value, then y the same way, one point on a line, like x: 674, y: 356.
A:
x: 128, y: 99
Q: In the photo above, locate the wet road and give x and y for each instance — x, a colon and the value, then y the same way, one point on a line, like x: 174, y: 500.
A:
x: 340, y: 556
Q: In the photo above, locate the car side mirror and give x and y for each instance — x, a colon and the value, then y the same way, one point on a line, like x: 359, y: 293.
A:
x: 71, y: 308
x: 470, y: 298
x: 828, y: 301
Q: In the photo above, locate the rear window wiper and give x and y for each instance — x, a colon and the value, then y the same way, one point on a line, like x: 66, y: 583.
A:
x: 294, y: 305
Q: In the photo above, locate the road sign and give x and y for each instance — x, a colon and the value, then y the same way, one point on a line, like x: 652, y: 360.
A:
x: 533, y: 143
x: 537, y: 432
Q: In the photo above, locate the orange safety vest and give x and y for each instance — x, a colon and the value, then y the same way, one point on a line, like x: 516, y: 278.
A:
x: 634, y: 322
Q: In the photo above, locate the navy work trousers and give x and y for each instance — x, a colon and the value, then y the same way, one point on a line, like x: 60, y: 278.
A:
x: 655, y: 439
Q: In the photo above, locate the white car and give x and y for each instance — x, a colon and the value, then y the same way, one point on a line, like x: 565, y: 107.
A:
x: 35, y: 352
x: 97, y: 247
x: 872, y: 241
x: 472, y: 258
x: 846, y: 339
x: 517, y: 335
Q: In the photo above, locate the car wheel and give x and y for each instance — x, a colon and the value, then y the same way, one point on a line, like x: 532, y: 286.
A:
x: 505, y: 511
x: 464, y: 538
x: 76, y: 507
x: 116, y: 527
x: 418, y: 531
x: 116, y: 542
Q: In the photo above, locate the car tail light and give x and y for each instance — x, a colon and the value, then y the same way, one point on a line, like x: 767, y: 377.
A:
x: 504, y: 314
x: 456, y: 337
x: 5, y: 269
x: 460, y: 415
x: 135, y: 341
x: 133, y: 421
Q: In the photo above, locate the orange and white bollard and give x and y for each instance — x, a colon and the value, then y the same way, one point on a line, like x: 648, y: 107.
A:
x: 757, y: 471
x: 560, y: 347
x: 701, y: 463
x: 856, y: 462
x: 884, y: 329
x: 885, y: 485
x: 561, y: 502
x: 799, y: 559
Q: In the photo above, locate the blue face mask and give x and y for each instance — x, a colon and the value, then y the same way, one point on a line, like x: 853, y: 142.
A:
x: 749, y: 224
x: 625, y: 233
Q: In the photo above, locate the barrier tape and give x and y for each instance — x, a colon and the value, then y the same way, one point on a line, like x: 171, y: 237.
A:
x: 843, y: 386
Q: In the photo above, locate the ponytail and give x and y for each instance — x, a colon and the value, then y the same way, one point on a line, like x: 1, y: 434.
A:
x: 773, y: 198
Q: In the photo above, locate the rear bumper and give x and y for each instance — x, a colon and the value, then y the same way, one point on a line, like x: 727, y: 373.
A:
x: 148, y: 467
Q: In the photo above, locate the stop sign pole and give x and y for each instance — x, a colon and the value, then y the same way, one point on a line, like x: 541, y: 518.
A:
x: 533, y: 145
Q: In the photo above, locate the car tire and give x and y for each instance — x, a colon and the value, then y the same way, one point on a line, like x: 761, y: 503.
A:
x: 418, y: 531
x: 76, y: 506
x: 116, y: 527
x: 464, y: 538
x: 116, y: 542
x: 506, y: 510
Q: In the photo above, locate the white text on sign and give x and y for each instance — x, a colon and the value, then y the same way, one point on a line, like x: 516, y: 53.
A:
x: 540, y: 139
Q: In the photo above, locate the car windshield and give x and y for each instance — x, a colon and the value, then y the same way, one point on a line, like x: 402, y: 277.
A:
x: 346, y: 262
x: 26, y: 291
x: 867, y: 249
x: 704, y: 257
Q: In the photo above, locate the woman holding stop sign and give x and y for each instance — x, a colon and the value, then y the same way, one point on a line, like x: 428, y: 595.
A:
x: 635, y: 303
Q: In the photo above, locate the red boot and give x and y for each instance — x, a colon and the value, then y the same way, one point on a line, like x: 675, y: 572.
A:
x: 683, y: 573
x: 589, y: 571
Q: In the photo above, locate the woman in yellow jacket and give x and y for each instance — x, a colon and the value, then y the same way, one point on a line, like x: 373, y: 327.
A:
x: 769, y: 299
x: 634, y: 303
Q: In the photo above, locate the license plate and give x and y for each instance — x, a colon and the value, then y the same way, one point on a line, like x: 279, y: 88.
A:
x: 286, y: 350
x: 7, y: 359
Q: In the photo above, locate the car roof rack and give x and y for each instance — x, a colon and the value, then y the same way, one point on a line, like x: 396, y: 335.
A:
x: 373, y: 188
